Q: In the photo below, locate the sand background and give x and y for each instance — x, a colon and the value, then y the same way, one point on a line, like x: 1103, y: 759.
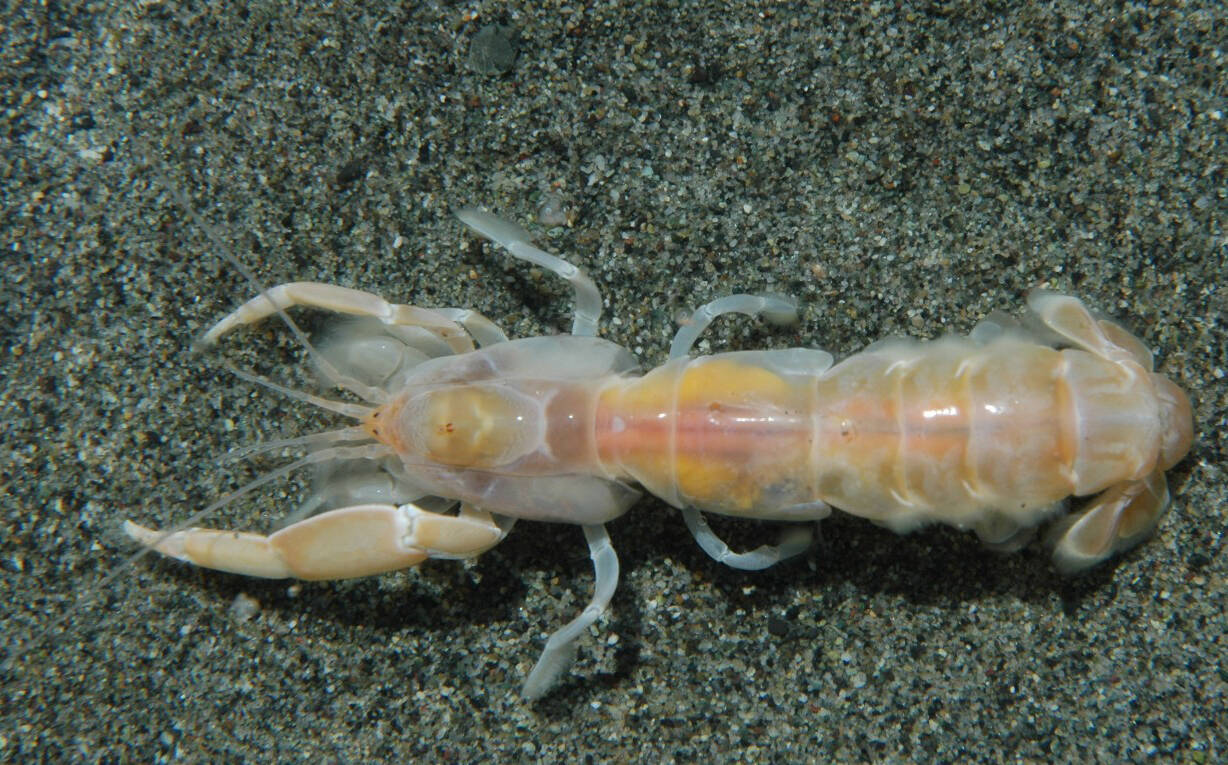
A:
x: 899, y: 170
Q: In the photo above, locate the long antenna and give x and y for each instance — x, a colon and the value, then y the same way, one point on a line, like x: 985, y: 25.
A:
x: 327, y: 368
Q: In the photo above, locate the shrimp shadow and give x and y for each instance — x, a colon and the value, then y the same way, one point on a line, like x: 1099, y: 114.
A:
x: 440, y: 598
x: 435, y: 600
x: 934, y: 567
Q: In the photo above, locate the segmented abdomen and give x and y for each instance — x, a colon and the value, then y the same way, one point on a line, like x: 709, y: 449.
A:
x: 904, y: 433
x: 942, y: 431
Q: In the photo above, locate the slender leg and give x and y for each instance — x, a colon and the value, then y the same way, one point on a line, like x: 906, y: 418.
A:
x: 777, y: 310
x: 341, y: 544
x: 330, y: 297
x: 793, y: 541
x: 560, y: 650
x: 518, y: 243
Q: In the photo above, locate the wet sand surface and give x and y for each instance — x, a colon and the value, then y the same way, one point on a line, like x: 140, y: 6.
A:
x: 897, y: 171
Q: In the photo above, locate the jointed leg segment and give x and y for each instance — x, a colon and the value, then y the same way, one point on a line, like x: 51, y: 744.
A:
x: 560, y: 650
x: 775, y: 309
x: 518, y: 242
x: 480, y: 328
x: 795, y: 540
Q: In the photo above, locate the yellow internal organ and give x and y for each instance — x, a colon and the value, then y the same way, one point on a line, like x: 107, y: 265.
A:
x: 472, y: 426
x: 709, y: 484
x: 729, y: 382
x: 724, y: 408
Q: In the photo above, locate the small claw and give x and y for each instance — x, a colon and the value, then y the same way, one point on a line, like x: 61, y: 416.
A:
x: 341, y: 544
x: 330, y: 297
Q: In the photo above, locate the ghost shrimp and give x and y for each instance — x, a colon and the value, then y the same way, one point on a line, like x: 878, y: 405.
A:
x: 464, y: 431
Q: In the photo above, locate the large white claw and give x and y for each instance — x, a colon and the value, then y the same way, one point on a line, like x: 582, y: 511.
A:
x: 340, y: 544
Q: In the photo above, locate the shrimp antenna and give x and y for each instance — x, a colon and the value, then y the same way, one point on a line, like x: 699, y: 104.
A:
x: 311, y: 440
x: 215, y: 238
x: 353, y: 411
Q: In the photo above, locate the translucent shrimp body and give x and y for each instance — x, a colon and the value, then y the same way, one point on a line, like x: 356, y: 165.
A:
x: 988, y: 432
